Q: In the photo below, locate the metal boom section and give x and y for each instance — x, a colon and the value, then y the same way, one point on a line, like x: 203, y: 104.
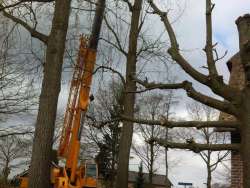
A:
x: 77, y: 106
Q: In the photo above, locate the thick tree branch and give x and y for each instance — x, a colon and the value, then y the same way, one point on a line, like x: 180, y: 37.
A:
x: 34, y: 33
x: 174, y: 50
x: 196, y: 147
x: 192, y: 93
x: 223, y: 106
x: 173, y: 124
x: 209, y: 41
x: 152, y: 85
x: 215, y: 83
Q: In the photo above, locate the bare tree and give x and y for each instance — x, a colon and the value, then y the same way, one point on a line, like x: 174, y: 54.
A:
x: 201, y: 112
x: 15, y: 151
x: 18, y: 93
x: 129, y: 98
x: 170, y: 102
x: 125, y: 36
x: 224, y: 174
x: 150, y: 106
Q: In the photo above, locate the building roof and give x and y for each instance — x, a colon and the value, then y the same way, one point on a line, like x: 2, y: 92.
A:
x: 157, y: 178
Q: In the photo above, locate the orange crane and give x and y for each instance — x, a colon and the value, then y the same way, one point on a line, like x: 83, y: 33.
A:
x: 72, y: 175
x: 83, y: 176
x: 78, y: 101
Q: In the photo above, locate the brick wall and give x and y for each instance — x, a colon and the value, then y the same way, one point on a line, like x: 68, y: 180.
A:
x: 237, y: 80
x: 236, y: 171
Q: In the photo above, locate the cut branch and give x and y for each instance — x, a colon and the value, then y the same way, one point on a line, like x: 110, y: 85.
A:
x: 192, y: 93
x: 173, y: 124
x: 209, y: 41
x: 152, y: 85
x: 223, y: 106
x: 196, y: 147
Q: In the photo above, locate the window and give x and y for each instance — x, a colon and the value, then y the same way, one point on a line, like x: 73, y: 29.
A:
x: 91, y: 170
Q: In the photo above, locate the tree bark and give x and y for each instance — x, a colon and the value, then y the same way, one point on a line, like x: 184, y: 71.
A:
x: 166, y: 159
x: 97, y: 24
x: 243, y: 24
x: 129, y: 99
x: 6, y: 172
x: 39, y: 176
x: 209, y: 178
x: 151, y: 169
x: 209, y: 172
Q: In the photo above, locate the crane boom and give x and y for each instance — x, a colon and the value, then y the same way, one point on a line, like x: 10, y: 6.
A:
x: 72, y: 100
x: 77, y: 106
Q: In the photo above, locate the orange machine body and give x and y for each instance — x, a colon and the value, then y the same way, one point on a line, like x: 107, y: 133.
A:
x: 72, y: 175
x: 60, y: 178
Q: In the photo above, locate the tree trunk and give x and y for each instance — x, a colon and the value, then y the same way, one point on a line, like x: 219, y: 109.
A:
x: 97, y: 24
x: 6, y: 172
x: 166, y: 159
x: 209, y: 176
x: 151, y: 171
x: 129, y: 99
x: 42, y: 146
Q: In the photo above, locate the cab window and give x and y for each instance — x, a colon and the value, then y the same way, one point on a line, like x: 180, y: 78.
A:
x: 91, y: 170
